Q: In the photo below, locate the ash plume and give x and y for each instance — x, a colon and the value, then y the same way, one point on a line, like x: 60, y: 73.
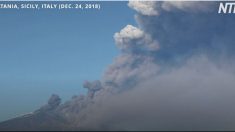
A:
x: 174, y: 72
x: 53, y: 102
x: 92, y: 87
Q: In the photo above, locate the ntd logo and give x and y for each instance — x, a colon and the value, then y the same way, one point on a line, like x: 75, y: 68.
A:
x: 227, y: 7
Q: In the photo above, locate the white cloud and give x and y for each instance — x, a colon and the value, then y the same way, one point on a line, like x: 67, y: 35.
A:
x: 189, y: 6
x: 153, y: 8
x: 132, y: 38
x: 144, y: 7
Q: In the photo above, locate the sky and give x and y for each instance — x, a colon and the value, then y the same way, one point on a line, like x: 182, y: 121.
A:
x: 50, y: 51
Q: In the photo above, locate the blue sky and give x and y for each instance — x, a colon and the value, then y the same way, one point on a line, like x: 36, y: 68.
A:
x: 51, y: 51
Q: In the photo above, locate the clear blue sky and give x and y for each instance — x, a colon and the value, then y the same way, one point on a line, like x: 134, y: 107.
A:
x: 50, y: 51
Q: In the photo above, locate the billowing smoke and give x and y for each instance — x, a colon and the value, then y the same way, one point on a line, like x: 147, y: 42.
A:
x: 175, y: 71
x: 52, y: 104
x: 92, y: 87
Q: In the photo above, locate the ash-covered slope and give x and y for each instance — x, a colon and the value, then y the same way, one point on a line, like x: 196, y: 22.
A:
x: 37, y: 121
x: 46, y: 118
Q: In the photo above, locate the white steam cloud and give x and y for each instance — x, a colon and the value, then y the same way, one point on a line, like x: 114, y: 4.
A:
x: 132, y: 38
x: 153, y: 8
x: 144, y: 7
